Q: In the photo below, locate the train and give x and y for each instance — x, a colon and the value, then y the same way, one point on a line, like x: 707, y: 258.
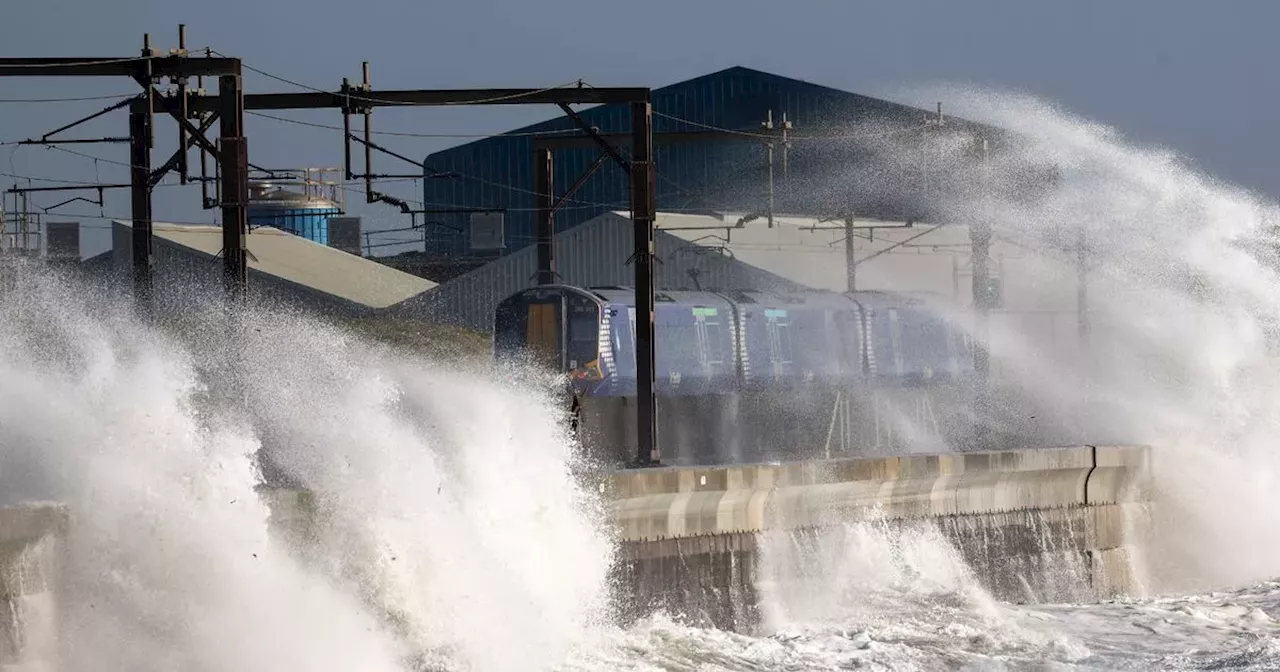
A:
x: 745, y: 376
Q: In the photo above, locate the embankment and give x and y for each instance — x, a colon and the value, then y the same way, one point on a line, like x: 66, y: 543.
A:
x: 31, y: 541
x: 1034, y: 525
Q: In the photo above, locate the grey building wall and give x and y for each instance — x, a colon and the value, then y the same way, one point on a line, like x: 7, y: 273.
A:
x: 592, y: 254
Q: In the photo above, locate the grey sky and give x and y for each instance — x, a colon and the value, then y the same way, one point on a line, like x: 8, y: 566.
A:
x: 1192, y: 76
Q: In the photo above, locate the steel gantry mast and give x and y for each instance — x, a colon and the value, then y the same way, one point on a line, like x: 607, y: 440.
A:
x: 230, y: 153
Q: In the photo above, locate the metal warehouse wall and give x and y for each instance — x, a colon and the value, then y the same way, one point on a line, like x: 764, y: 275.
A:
x: 594, y: 254
x: 498, y: 172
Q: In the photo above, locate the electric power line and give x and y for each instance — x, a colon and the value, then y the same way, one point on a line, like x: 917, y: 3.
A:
x: 65, y: 100
x: 406, y: 134
x: 359, y: 98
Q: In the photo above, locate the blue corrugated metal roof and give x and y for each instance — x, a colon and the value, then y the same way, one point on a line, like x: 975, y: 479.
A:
x: 497, y: 173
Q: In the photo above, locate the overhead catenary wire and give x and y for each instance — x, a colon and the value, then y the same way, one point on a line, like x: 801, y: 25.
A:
x: 577, y: 202
x: 475, y: 178
x: 74, y: 99
x: 368, y: 99
x: 407, y: 134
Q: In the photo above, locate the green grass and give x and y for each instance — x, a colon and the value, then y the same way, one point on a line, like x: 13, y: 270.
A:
x: 421, y: 337
x: 412, y: 336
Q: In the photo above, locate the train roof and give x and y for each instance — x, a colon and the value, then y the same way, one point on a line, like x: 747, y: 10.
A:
x: 782, y: 299
x: 777, y: 299
x: 627, y: 296
x: 878, y: 299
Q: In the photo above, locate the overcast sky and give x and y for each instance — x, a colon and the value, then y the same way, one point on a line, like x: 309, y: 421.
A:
x: 1191, y: 76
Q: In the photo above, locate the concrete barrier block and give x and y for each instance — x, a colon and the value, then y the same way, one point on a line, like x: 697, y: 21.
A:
x: 1114, y: 485
x: 703, y: 513
x: 733, y: 511
x: 1124, y: 456
x: 31, y: 544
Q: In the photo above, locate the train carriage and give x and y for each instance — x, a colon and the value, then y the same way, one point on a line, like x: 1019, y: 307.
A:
x: 747, y: 375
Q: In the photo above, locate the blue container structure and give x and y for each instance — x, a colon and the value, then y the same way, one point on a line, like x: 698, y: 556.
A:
x: 302, y: 214
x: 719, y: 175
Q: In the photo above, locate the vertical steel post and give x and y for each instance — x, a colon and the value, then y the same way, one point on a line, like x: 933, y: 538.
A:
x: 182, y: 106
x: 139, y: 177
x: 850, y: 263
x: 545, y: 184
x: 366, y: 87
x: 233, y: 160
x: 346, y: 129
x: 980, y: 246
x: 642, y: 216
x: 1082, y: 286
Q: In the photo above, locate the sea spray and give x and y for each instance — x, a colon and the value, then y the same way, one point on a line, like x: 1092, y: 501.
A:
x: 449, y: 515
x: 169, y: 564
x: 446, y: 492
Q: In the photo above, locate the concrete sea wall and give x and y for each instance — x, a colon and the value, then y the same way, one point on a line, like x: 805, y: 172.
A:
x: 1033, y: 525
x: 31, y: 543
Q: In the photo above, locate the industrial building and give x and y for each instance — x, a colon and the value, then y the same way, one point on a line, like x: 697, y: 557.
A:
x: 488, y: 186
x: 282, y: 266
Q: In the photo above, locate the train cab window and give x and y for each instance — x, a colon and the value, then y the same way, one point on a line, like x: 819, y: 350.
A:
x: 509, y: 330
x: 584, y: 331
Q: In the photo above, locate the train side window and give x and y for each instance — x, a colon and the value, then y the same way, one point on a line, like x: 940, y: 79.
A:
x: 584, y: 331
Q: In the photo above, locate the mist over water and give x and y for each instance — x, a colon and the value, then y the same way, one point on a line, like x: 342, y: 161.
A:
x: 1183, y: 300
x: 455, y: 535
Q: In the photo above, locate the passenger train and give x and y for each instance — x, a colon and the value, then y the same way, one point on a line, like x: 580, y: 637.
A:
x: 746, y: 376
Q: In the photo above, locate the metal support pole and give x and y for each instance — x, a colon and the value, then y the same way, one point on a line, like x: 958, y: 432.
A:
x: 850, y: 263
x: 768, y: 126
x: 183, y: 112
x: 642, y: 216
x: 980, y: 242
x: 346, y: 130
x: 368, y: 139
x: 233, y: 161
x: 1082, y: 286
x: 140, y: 173
x: 545, y: 182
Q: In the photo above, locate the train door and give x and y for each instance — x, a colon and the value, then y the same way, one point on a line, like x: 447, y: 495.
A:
x: 545, y: 331
x: 711, y: 348
x: 895, y: 338
x: 779, y: 329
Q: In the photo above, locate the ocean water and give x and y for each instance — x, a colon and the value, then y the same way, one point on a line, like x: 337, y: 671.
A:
x: 458, y: 538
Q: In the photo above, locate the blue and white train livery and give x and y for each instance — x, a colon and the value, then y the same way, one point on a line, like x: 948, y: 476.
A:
x: 753, y: 361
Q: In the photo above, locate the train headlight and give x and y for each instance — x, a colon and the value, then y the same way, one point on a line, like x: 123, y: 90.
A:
x: 589, y: 371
